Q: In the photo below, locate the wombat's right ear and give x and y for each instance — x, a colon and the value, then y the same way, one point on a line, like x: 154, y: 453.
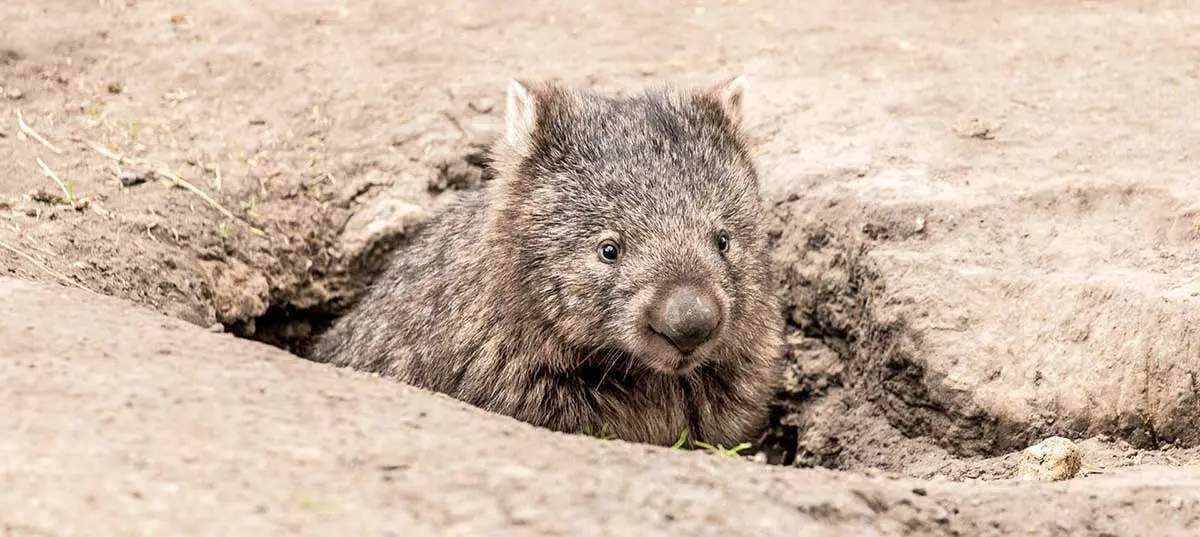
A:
x: 730, y: 94
x: 520, y: 115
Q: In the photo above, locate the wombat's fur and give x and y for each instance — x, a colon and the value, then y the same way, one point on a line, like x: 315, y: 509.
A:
x: 613, y: 276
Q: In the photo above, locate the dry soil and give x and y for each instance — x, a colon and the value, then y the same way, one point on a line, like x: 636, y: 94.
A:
x: 986, y: 216
x: 121, y: 421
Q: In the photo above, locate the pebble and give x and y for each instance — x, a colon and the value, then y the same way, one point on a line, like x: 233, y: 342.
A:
x: 1053, y: 459
x: 130, y: 178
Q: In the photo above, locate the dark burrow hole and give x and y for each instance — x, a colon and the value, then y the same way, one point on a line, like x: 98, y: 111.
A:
x: 289, y: 328
x: 779, y: 441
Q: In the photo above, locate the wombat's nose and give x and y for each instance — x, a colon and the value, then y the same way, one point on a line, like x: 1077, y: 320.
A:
x: 687, y: 317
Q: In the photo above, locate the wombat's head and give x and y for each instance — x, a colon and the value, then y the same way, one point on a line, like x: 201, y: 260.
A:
x: 635, y: 222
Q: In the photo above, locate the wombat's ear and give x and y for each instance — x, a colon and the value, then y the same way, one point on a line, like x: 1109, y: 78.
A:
x: 520, y: 115
x: 730, y: 95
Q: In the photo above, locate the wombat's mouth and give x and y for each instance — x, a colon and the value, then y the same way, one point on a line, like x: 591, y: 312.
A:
x: 664, y: 356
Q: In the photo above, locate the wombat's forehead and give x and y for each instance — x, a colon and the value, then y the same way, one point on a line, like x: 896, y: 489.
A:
x: 644, y: 155
x: 649, y: 199
x: 651, y: 180
x: 646, y: 129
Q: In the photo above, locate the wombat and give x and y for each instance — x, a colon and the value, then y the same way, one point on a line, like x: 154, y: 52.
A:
x: 613, y: 276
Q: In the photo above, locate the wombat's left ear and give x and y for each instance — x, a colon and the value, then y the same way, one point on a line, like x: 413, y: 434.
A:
x: 730, y: 94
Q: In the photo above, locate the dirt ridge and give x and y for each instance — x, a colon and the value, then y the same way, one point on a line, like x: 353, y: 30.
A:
x: 208, y: 434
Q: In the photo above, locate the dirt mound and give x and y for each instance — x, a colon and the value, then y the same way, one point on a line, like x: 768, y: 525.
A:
x: 984, y: 361
x: 887, y: 373
x: 145, y: 424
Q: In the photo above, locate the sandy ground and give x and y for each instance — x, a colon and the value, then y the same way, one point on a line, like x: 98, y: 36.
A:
x: 124, y: 422
x: 986, y: 217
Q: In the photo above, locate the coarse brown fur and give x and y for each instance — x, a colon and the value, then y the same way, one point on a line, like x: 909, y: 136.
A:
x: 502, y: 301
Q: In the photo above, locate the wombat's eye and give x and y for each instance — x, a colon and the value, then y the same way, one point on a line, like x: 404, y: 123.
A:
x: 722, y: 241
x: 609, y: 251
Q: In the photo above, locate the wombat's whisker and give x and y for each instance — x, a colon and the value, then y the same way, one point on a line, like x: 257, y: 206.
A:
x: 612, y: 361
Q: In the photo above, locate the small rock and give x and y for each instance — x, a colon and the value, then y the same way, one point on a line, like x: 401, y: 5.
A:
x: 974, y: 127
x: 131, y: 178
x: 115, y: 88
x: 216, y: 328
x: 14, y: 94
x: 1053, y: 459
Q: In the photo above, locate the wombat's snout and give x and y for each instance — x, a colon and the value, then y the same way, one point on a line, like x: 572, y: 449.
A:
x: 686, y: 316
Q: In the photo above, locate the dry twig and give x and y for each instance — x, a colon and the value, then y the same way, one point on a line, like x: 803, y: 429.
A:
x: 50, y: 173
x: 25, y: 128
